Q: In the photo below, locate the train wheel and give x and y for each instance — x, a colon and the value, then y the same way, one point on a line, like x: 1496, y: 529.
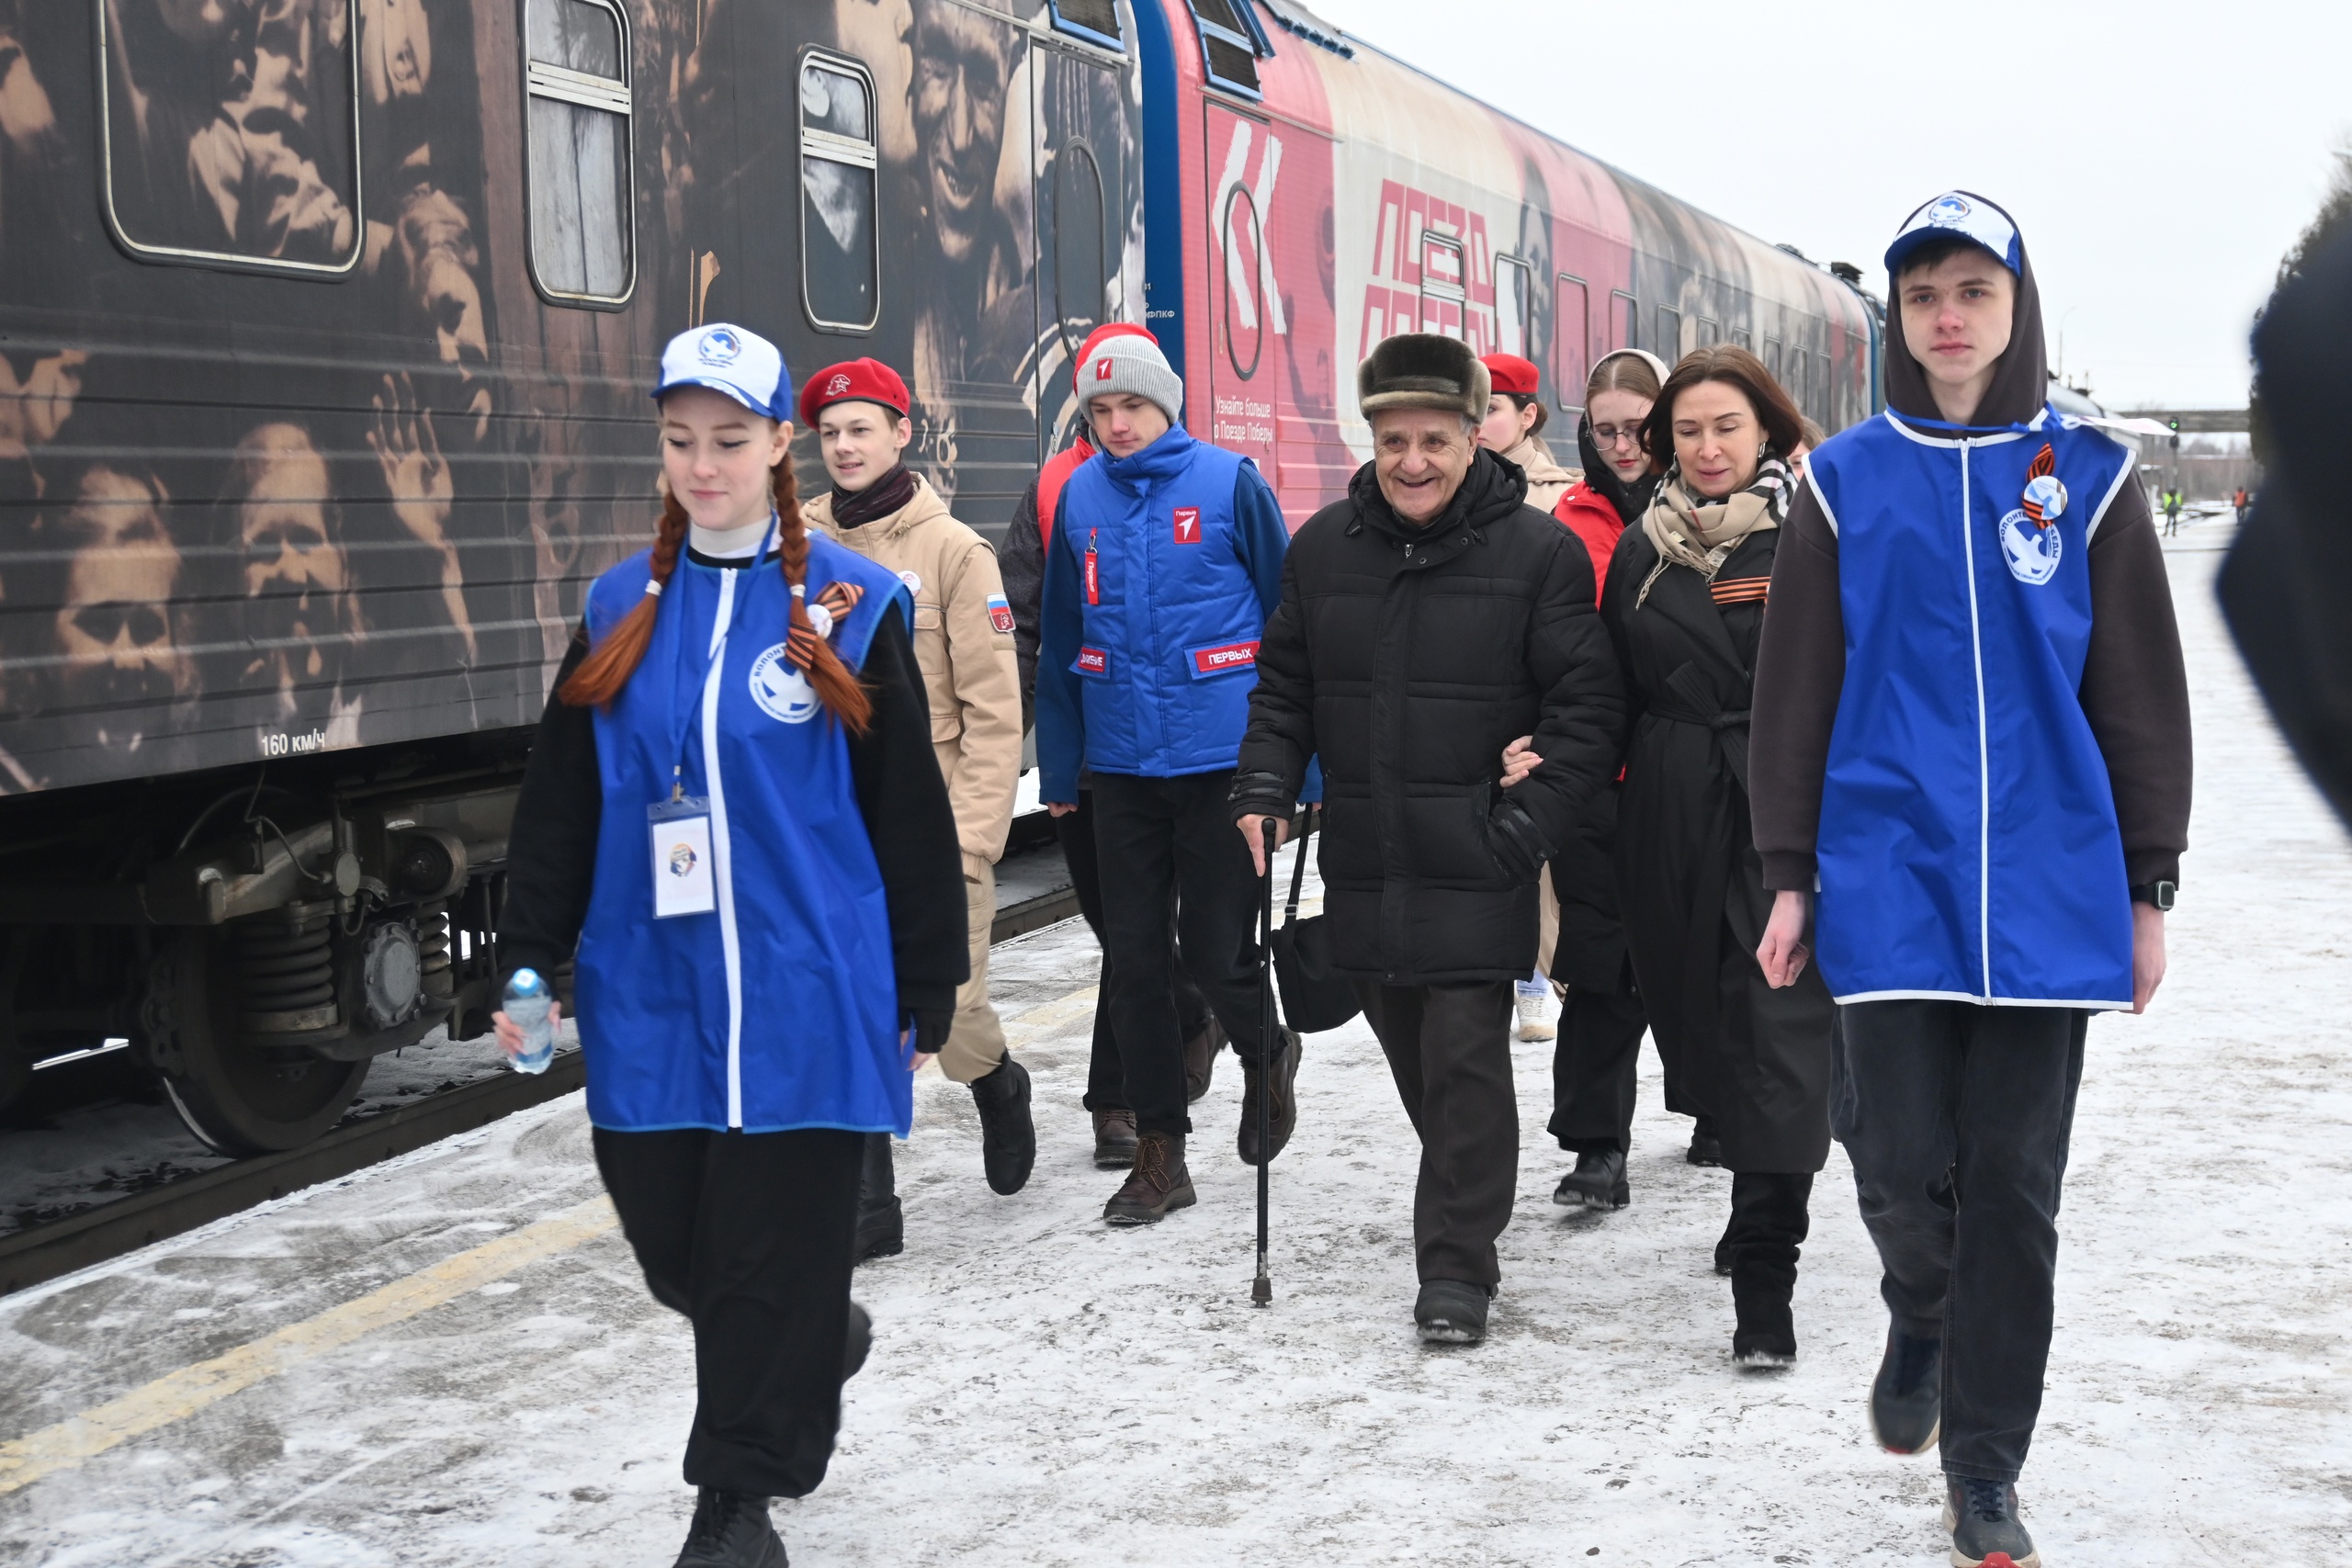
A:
x: 240, y: 1098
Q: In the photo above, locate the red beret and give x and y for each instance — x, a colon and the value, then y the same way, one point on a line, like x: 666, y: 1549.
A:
x: 853, y: 381
x: 1109, y: 330
x: 1510, y: 373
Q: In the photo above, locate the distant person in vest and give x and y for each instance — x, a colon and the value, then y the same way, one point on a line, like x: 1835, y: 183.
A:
x: 1166, y: 559
x: 1684, y: 605
x: 888, y: 513
x: 733, y: 814
x: 1437, y: 648
x: 1971, y: 747
x: 1023, y: 562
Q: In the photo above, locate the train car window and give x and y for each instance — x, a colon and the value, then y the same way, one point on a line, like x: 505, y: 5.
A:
x: 584, y: 205
x: 1669, y: 334
x: 1625, y: 320
x: 198, y: 168
x: 1828, y: 389
x: 1740, y: 339
x: 1231, y: 44
x: 1772, y: 357
x: 841, y: 256
x: 1709, y: 334
x: 1443, y: 298
x: 1795, y: 381
x: 1571, y: 339
x: 1081, y: 273
x: 1514, y: 306
x: 1096, y: 21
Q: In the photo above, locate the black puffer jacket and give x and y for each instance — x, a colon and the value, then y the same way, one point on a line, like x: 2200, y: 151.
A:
x: 1407, y: 659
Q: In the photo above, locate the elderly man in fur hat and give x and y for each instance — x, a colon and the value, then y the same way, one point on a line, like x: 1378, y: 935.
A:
x: 1437, y: 646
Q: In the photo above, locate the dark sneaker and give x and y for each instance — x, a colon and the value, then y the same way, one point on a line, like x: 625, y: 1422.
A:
x: 1906, y: 1397
x: 1157, y: 1184
x: 1114, y: 1140
x: 1985, y: 1529
x: 1278, y: 1081
x: 881, y: 1223
x: 1597, y: 1182
x: 1705, y: 1147
x: 731, y: 1530
x: 1007, y: 1137
x: 860, y: 1344
x: 1200, y: 1058
x: 1452, y: 1311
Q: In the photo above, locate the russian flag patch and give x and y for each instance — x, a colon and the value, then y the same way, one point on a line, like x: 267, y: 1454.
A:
x: 999, y: 613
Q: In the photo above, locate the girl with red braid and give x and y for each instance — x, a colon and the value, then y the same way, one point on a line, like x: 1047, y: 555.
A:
x: 760, y: 966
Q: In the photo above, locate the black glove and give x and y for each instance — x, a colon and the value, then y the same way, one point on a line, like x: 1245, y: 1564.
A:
x: 931, y: 1029
x: 1515, y: 841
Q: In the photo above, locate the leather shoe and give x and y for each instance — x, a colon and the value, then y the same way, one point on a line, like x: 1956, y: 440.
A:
x: 1200, y: 1058
x: 1114, y: 1140
x: 1906, y: 1397
x: 1597, y: 1182
x: 1157, y: 1184
x: 1277, y: 1082
x: 730, y: 1530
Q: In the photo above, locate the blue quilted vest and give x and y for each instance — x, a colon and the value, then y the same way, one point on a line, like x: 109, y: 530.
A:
x: 1968, y: 843
x: 779, y: 1010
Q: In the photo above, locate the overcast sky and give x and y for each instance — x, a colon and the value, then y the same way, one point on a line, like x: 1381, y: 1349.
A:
x: 2159, y: 156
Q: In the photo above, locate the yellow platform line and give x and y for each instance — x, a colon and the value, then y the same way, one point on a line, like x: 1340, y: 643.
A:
x: 177, y: 1396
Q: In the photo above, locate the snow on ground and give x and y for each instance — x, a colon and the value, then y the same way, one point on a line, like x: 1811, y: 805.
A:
x: 1045, y: 1391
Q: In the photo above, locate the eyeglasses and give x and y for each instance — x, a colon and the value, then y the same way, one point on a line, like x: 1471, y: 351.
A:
x: 1607, y: 435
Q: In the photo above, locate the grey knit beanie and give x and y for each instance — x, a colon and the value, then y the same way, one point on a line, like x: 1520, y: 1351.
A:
x: 1131, y: 362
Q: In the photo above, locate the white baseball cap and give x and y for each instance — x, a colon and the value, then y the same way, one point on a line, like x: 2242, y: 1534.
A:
x: 1958, y: 212
x: 733, y: 360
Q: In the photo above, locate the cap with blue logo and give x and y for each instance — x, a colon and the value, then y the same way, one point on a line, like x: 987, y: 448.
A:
x: 733, y: 360
x: 1961, y: 216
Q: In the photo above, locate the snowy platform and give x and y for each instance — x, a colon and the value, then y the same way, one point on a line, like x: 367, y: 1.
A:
x: 451, y: 1360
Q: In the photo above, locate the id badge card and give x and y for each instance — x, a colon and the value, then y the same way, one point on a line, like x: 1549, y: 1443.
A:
x: 683, y: 884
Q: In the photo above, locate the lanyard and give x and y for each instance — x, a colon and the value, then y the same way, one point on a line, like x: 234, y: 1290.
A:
x: 690, y: 713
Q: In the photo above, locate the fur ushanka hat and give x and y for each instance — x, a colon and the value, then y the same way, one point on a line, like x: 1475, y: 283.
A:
x: 1423, y: 370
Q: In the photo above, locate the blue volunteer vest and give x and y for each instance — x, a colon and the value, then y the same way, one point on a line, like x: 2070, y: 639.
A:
x: 1170, y: 617
x: 1968, y: 843
x: 779, y: 1010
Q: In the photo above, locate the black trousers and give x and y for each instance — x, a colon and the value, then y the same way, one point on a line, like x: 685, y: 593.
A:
x: 1106, y: 1082
x: 1593, y: 1064
x: 1172, y: 866
x: 1957, y: 1118
x: 750, y: 1235
x: 1449, y: 1050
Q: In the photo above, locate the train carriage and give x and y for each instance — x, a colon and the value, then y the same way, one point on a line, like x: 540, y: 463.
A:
x: 324, y: 331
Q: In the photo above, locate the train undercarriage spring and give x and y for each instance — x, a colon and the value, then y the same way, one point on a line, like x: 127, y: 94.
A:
x: 286, y: 965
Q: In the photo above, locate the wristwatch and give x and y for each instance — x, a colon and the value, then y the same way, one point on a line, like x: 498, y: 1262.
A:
x: 2157, y: 894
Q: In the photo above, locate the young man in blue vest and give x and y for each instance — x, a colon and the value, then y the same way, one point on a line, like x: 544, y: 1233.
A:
x: 1971, y: 746
x: 1166, y: 559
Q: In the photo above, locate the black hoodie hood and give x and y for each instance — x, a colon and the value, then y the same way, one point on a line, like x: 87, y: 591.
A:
x: 2020, y: 378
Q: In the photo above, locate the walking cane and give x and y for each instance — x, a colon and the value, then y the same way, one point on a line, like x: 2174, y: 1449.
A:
x: 1262, y: 1290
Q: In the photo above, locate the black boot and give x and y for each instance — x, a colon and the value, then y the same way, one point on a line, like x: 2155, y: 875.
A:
x: 1768, y: 1226
x: 1200, y: 1047
x: 1705, y: 1147
x: 860, y: 1342
x: 1452, y: 1311
x: 732, y: 1529
x: 1277, y: 1079
x: 1597, y: 1182
x: 1007, y: 1137
x: 881, y: 1228
x: 1906, y: 1397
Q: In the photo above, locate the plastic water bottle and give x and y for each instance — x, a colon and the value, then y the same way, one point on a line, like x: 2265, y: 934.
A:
x: 527, y: 1001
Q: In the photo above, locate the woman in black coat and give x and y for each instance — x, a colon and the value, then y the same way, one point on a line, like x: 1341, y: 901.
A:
x: 1685, y: 605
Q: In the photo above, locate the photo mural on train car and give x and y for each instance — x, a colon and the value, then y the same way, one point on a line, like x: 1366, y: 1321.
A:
x: 328, y: 323
x: 246, y: 511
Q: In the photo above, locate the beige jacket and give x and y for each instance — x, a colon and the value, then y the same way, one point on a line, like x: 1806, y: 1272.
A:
x: 968, y: 670
x: 1546, y: 481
